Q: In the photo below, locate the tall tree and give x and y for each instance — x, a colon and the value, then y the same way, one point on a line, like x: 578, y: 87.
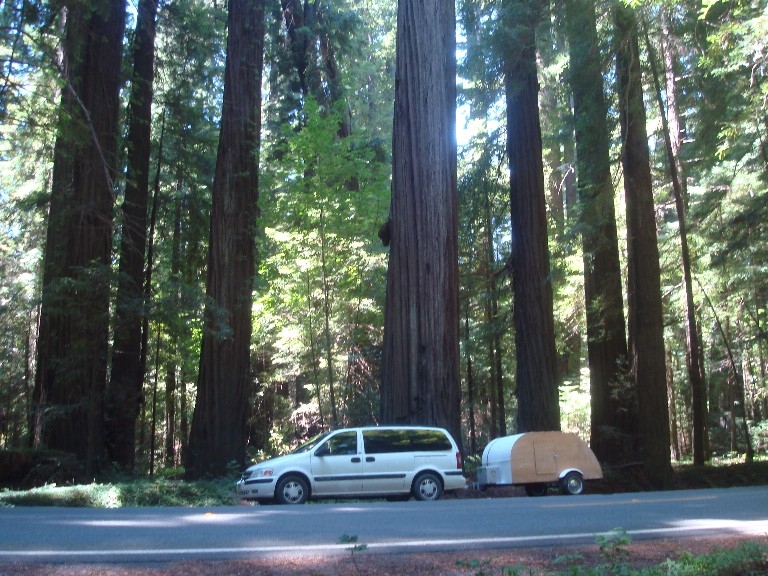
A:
x: 127, y: 375
x: 420, y: 374
x: 670, y: 121
x: 218, y: 434
x: 537, y: 386
x: 612, y: 403
x: 647, y: 362
x: 74, y: 324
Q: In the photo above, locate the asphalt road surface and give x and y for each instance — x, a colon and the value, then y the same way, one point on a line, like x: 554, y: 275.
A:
x: 71, y: 535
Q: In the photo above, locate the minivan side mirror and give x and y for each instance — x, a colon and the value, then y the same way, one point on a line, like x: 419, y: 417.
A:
x: 323, y: 450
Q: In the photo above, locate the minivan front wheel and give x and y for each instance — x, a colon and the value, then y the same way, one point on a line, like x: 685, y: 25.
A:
x: 292, y: 490
x: 427, y: 486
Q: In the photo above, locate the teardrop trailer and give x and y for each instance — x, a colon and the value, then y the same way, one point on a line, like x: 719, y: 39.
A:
x: 537, y: 460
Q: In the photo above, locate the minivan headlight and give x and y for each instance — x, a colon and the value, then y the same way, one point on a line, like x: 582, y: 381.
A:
x: 257, y: 473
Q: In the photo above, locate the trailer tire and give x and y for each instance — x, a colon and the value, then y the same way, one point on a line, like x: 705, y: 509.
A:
x: 536, y: 489
x: 573, y: 484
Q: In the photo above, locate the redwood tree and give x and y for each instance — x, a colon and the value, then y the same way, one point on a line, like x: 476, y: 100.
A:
x: 671, y: 128
x: 127, y: 376
x: 218, y: 434
x: 612, y: 399
x: 420, y: 374
x: 537, y: 387
x: 74, y: 318
x: 645, y: 315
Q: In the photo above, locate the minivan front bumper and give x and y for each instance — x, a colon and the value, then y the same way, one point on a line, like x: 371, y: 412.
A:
x: 255, y: 488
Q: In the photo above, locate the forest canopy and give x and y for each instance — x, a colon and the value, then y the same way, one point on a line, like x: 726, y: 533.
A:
x: 202, y: 206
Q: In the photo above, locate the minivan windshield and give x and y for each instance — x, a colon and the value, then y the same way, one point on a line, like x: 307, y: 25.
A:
x: 311, y: 443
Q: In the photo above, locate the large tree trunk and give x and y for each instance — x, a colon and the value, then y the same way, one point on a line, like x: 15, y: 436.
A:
x: 694, y: 356
x: 420, y: 375
x: 218, y: 434
x: 124, y: 393
x: 612, y: 409
x: 645, y: 314
x: 537, y: 387
x: 74, y: 323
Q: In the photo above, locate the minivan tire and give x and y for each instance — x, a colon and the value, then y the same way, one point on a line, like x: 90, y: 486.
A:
x: 427, y: 487
x: 292, y: 490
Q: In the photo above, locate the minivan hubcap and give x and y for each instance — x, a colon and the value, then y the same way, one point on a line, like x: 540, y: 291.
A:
x: 428, y: 489
x: 293, y: 491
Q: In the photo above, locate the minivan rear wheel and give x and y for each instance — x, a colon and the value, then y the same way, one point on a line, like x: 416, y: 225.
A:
x: 427, y: 487
x: 292, y: 490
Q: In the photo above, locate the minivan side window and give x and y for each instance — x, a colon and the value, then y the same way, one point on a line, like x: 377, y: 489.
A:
x: 388, y: 441
x: 342, y: 444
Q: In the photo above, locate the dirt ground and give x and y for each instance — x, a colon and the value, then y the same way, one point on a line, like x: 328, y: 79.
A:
x: 527, y: 561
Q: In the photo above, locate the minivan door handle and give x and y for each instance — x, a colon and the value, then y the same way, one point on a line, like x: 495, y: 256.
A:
x: 370, y: 459
x: 355, y: 460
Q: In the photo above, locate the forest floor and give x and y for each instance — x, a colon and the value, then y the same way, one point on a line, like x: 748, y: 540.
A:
x: 581, y: 559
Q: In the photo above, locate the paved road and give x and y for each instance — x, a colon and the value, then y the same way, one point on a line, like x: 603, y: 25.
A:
x: 155, y: 534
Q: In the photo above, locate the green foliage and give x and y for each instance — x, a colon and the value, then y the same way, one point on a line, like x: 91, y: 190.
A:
x: 354, y: 549
x: 613, y: 545
x: 321, y: 269
x: 749, y: 558
x: 160, y: 492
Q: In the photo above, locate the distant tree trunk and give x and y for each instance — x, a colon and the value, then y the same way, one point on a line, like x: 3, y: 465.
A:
x: 127, y: 376
x: 496, y: 393
x: 173, y: 344
x: 491, y: 395
x: 74, y: 324
x: 153, y: 424
x: 537, y: 388
x: 420, y: 374
x: 327, y: 326
x: 673, y: 422
x: 612, y: 410
x: 470, y: 385
x: 736, y: 385
x: 672, y: 109
x: 694, y: 356
x: 647, y: 362
x: 218, y: 434
x: 299, y: 39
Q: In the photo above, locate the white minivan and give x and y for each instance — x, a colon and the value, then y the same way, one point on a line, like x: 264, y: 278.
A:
x: 387, y: 461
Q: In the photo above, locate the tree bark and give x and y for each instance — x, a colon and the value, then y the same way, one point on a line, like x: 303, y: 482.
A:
x: 124, y: 393
x: 694, y: 357
x: 612, y: 405
x: 218, y: 434
x: 420, y: 374
x: 74, y: 323
x: 537, y: 387
x: 647, y: 362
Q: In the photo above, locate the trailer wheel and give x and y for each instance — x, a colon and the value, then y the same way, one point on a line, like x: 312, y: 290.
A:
x: 573, y: 484
x: 536, y: 489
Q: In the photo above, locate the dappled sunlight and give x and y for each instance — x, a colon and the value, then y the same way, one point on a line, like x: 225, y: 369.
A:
x: 745, y: 527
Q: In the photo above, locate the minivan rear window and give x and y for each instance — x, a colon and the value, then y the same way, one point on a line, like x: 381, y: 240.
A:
x: 386, y: 441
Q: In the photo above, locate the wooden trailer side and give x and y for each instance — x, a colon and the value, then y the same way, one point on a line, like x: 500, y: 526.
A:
x: 542, y: 456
